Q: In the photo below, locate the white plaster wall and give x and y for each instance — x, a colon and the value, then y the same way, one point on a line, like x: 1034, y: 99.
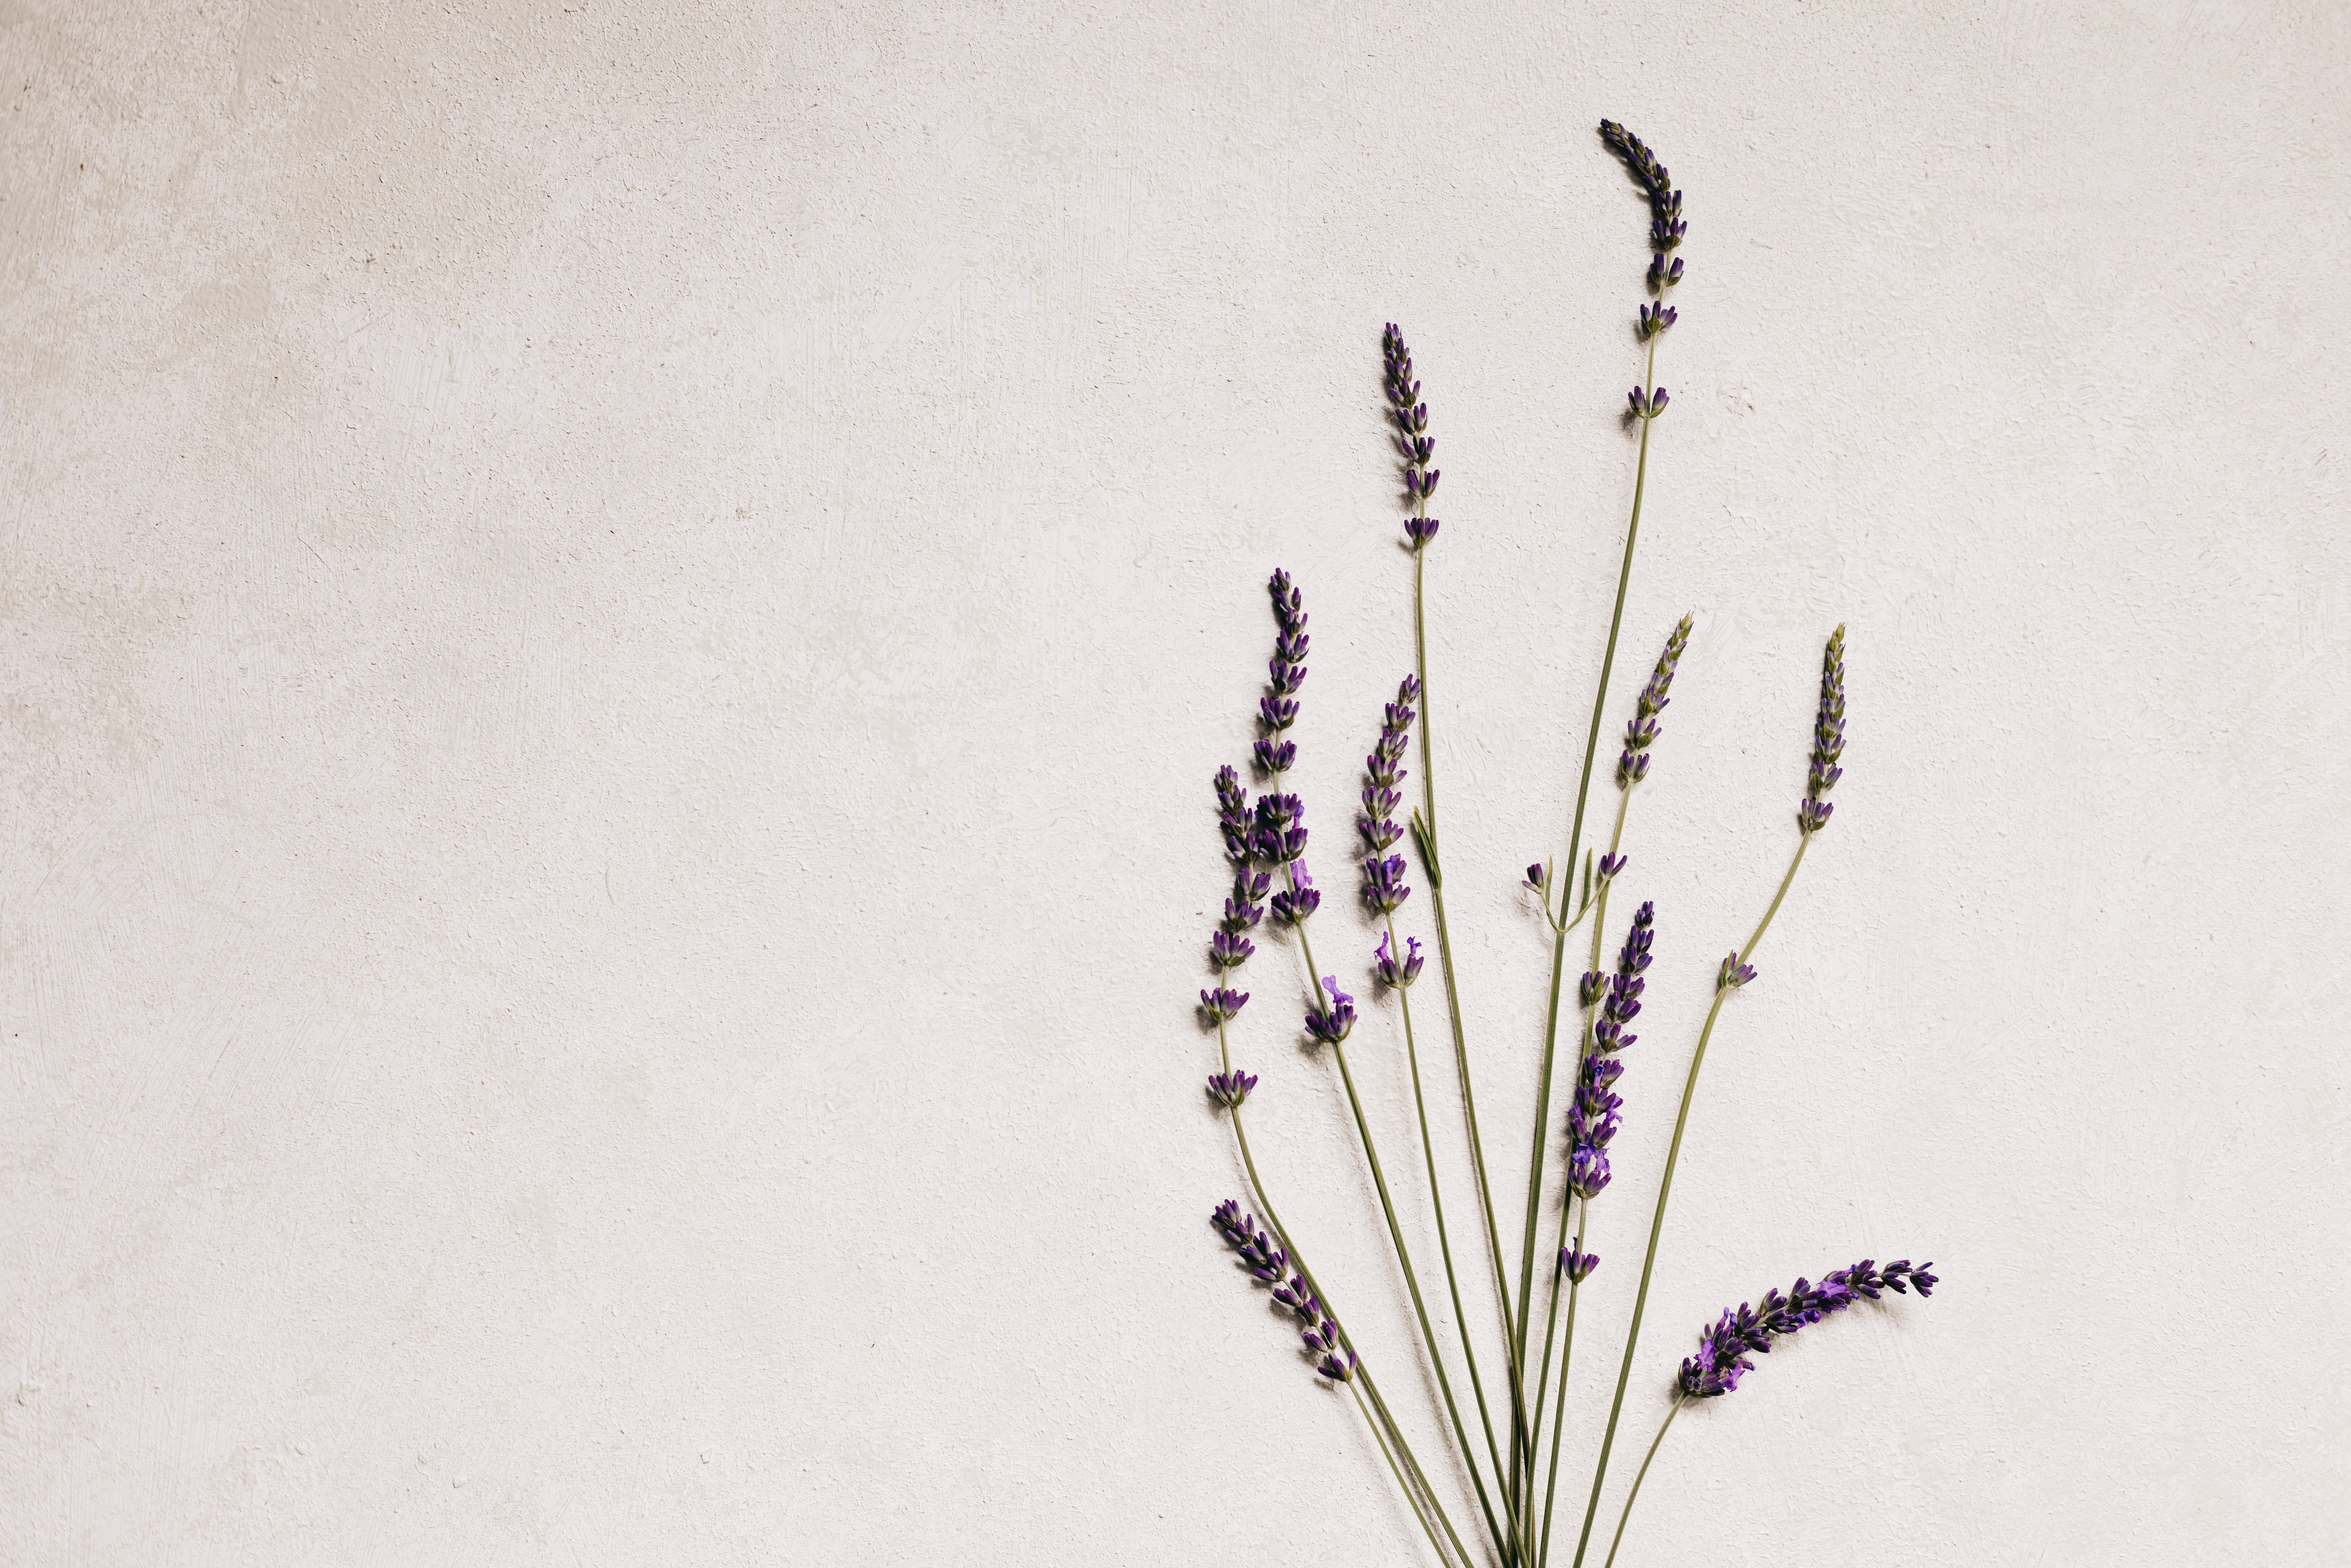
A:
x: 616, y: 619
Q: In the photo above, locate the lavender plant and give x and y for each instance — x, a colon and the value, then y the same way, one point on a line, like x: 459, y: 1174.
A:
x: 1569, y: 1168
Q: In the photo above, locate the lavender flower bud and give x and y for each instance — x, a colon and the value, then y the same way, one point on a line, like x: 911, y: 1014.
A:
x: 1587, y: 1172
x: 1223, y: 1003
x: 1828, y: 737
x: 1537, y: 876
x: 1233, y: 813
x: 1338, y: 1370
x: 1578, y: 1266
x: 1277, y: 713
x: 1655, y: 319
x: 1420, y: 531
x: 1722, y: 1350
x: 1258, y: 1252
x: 1230, y: 1089
x: 1279, y: 836
x: 1299, y: 900
x: 1330, y: 1024
x: 1275, y: 758
x: 1390, y: 972
x: 1610, y: 865
x: 1593, y: 987
x: 1733, y: 974
x: 1384, y: 884
x: 1229, y: 949
x: 1246, y: 907
x: 1632, y: 764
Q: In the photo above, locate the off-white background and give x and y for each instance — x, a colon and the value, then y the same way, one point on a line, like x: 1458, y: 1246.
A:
x: 617, y: 617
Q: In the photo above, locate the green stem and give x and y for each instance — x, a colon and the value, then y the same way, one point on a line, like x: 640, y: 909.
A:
x: 1559, y: 1415
x: 1575, y: 844
x: 1436, y: 1197
x: 1640, y: 1475
x: 1664, y: 1191
x: 1425, y: 838
x: 1381, y: 1439
x: 1404, y: 1252
x: 1298, y: 1259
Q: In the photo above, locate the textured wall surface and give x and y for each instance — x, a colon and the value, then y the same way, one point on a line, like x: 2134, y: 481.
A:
x: 614, y: 619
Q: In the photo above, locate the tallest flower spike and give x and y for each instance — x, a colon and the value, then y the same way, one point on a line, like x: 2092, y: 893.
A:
x: 1412, y: 439
x: 1667, y: 229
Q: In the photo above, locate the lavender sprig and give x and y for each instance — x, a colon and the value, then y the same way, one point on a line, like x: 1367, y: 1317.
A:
x: 1287, y: 672
x: 1721, y: 1359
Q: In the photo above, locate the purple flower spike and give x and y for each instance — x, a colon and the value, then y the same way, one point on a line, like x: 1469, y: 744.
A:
x: 1412, y: 439
x: 1722, y: 1350
x: 1632, y: 764
x: 1734, y: 974
x: 1622, y: 999
x: 1390, y: 972
x: 1668, y: 227
x: 1330, y: 1025
x: 1223, y: 1003
x: 1230, y: 1089
x: 1578, y: 1266
x: 1300, y: 899
x: 1828, y: 738
x: 1382, y: 771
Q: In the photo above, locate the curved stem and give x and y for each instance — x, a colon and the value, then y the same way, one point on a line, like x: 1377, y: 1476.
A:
x: 1641, y: 1475
x: 1664, y: 1191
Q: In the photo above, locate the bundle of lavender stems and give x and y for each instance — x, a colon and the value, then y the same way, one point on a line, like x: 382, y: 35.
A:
x: 1493, y: 1496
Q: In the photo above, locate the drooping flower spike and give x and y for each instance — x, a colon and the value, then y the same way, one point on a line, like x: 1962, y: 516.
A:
x: 1721, y: 1359
x: 1828, y: 738
x: 1384, y: 770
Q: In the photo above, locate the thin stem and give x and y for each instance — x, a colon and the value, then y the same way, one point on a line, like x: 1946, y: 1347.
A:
x: 1404, y: 1252
x: 1664, y: 1191
x: 1574, y: 845
x: 1640, y: 1475
x: 1381, y: 1439
x: 1436, y: 1197
x: 1371, y: 1387
x: 1559, y: 1415
x: 1425, y: 838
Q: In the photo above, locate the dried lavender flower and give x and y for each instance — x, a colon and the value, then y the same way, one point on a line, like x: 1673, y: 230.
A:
x: 1609, y: 866
x: 1286, y: 672
x: 1230, y: 1089
x: 1233, y: 813
x: 1650, y: 403
x: 1721, y: 1359
x: 1384, y: 884
x: 1641, y: 732
x: 1246, y: 907
x: 1577, y: 1264
x: 1622, y: 1003
x: 1222, y: 1003
x: 1733, y: 974
x: 1329, y: 1024
x: 1828, y: 737
x: 1229, y: 949
x: 1279, y: 834
x: 1300, y: 899
x: 1392, y: 973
